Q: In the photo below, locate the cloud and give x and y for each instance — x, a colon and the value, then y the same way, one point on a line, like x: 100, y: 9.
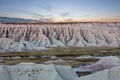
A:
x: 68, y: 20
x: 1, y: 13
x: 44, y: 17
x: 28, y: 13
x: 65, y: 14
x: 47, y: 7
x: 35, y: 15
x: 86, y: 16
x: 19, y: 13
x: 47, y: 19
x: 10, y: 10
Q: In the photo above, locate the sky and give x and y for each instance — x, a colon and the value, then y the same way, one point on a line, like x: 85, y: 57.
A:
x: 62, y: 10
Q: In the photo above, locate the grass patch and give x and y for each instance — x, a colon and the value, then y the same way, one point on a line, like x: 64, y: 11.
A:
x: 87, y: 60
x: 65, y: 53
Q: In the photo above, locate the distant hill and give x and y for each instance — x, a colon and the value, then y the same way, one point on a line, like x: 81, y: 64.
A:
x: 13, y: 20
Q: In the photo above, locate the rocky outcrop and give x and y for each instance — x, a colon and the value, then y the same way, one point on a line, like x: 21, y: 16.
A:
x: 31, y: 71
x: 108, y: 74
x: 53, y: 35
x: 104, y: 63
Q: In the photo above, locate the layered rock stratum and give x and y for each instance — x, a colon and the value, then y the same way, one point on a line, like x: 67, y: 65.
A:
x: 31, y: 71
x: 21, y: 37
x: 107, y: 74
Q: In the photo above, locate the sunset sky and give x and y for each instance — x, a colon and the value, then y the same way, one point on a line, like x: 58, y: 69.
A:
x: 62, y: 10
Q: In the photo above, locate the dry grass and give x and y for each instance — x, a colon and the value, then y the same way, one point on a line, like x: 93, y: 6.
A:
x: 62, y: 51
x: 65, y: 53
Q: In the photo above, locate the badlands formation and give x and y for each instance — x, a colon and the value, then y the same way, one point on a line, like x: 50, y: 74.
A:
x: 22, y: 37
x: 31, y: 71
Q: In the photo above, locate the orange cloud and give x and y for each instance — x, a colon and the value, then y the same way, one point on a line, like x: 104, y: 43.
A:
x: 88, y: 20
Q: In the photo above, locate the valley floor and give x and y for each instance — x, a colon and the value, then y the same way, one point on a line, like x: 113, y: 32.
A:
x: 81, y: 59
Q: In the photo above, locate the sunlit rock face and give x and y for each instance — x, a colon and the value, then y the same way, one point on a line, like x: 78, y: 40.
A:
x: 53, y: 35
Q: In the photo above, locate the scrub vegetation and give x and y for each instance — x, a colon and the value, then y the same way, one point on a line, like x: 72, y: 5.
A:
x: 67, y: 54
